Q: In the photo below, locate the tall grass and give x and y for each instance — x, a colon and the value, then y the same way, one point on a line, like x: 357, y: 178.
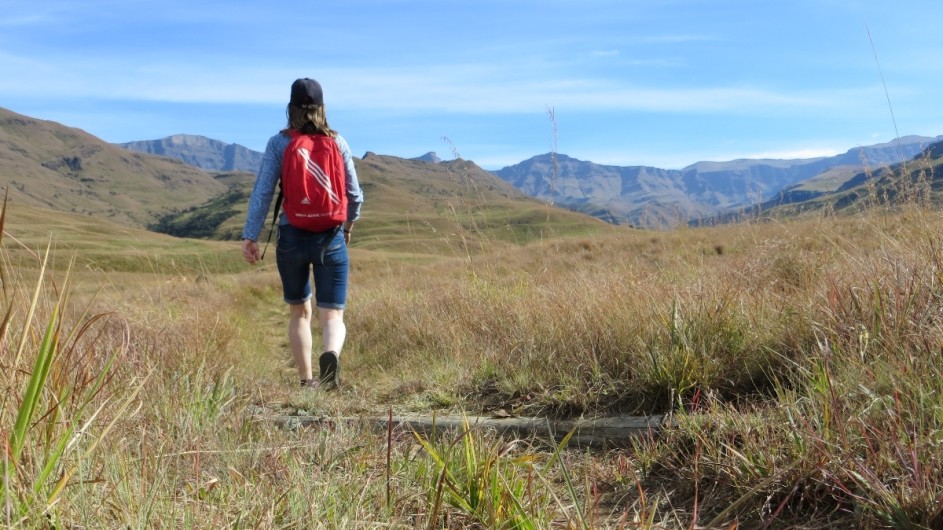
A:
x: 799, y: 361
x: 55, y: 392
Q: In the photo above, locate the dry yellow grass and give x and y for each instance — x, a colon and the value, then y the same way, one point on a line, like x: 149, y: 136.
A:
x: 801, y: 361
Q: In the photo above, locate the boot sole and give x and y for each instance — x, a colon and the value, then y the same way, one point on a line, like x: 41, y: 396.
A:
x: 329, y: 364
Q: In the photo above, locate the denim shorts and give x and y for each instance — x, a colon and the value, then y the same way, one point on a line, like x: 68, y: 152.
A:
x: 299, y: 253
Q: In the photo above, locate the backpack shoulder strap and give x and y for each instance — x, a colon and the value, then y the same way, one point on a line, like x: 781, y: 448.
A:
x: 292, y: 135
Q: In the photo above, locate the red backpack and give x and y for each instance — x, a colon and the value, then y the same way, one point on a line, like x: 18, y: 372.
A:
x: 313, y: 184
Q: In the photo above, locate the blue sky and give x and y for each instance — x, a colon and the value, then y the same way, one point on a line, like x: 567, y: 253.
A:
x: 662, y: 83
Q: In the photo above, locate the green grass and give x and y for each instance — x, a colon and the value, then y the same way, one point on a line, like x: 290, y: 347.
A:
x: 104, y: 247
x: 830, y: 180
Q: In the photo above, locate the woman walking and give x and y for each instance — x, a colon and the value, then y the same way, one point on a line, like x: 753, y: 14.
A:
x: 321, y: 250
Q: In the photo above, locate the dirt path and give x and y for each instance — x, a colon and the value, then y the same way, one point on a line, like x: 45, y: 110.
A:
x: 616, y: 431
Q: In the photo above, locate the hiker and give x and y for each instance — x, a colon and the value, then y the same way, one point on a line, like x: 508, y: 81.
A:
x: 318, y: 247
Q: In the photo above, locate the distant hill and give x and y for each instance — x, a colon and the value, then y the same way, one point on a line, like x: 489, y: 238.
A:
x: 202, y: 152
x: 633, y: 195
x: 430, y: 157
x: 917, y: 179
x: 66, y: 169
x: 410, y: 205
x: 648, y: 196
x: 637, y: 195
x: 418, y: 200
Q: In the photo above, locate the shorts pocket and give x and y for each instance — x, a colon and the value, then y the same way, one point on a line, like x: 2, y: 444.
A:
x: 288, y: 240
x: 335, y: 245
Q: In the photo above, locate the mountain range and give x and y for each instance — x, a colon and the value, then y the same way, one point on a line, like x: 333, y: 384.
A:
x: 654, y: 197
x: 635, y: 195
x: 147, y: 183
x: 201, y: 152
x: 416, y: 206
x: 918, y: 180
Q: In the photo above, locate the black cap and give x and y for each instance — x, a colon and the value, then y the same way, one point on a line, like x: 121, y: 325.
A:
x: 306, y: 92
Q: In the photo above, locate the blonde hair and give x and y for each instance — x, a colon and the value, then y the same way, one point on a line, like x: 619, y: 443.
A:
x: 310, y: 119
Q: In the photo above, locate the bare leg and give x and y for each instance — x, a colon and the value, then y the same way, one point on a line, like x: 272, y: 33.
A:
x: 333, y: 330
x: 299, y: 337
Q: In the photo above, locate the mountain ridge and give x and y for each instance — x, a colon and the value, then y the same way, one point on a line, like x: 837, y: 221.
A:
x: 639, y: 195
x: 412, y: 206
x: 59, y: 166
x: 655, y: 197
x: 200, y: 151
x: 914, y: 179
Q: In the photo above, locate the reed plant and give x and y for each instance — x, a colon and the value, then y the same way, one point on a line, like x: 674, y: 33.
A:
x: 56, y: 404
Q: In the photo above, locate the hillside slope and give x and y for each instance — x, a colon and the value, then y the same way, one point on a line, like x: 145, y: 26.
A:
x: 427, y: 205
x: 410, y: 205
x: 101, y: 246
x: 65, y: 169
x: 917, y: 179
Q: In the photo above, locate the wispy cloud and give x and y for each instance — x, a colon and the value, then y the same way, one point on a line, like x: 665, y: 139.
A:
x: 682, y: 159
x: 675, y: 38
x: 470, y: 88
x: 660, y: 78
x: 32, y: 19
x: 814, y: 152
x: 478, y: 89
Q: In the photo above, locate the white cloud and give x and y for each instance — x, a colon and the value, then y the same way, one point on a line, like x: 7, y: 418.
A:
x: 474, y: 89
x: 21, y: 21
x: 676, y: 38
x: 455, y: 88
x: 795, y: 153
x: 679, y: 158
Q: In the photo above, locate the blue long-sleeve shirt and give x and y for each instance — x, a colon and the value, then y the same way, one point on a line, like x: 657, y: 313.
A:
x: 269, y: 174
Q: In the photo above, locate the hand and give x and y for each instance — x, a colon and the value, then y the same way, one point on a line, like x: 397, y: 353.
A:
x: 250, y: 251
x: 346, y: 237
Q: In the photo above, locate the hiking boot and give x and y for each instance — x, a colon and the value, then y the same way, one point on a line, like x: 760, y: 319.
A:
x: 310, y: 383
x: 330, y: 368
